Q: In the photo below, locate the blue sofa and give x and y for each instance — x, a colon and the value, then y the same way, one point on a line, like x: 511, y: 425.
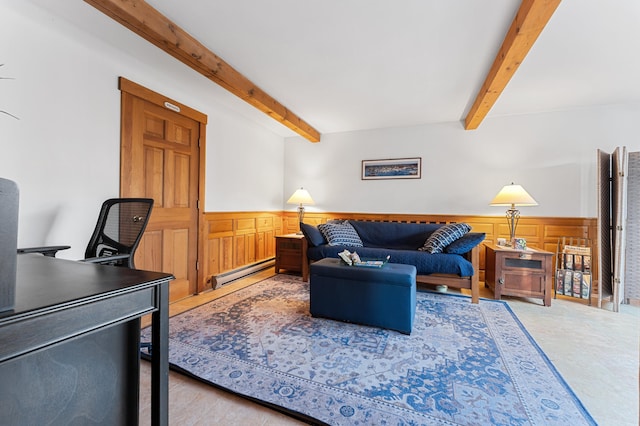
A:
x: 455, y: 265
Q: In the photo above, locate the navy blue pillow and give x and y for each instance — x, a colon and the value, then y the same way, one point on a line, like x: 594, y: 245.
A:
x: 466, y: 243
x: 312, y: 234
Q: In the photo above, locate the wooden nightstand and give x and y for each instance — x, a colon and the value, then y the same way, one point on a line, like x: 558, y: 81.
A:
x: 522, y: 273
x: 291, y: 254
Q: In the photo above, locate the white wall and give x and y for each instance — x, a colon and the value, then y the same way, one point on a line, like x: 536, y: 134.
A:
x: 553, y: 155
x: 64, y: 151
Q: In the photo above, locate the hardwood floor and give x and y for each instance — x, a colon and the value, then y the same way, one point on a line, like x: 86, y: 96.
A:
x: 595, y: 350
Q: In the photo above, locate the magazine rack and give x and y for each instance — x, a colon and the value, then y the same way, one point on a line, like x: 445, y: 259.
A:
x: 573, y: 268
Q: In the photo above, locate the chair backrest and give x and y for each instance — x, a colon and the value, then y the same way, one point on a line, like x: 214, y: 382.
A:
x: 120, y: 226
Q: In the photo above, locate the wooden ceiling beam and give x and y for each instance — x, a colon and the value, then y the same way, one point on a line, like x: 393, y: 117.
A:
x: 147, y: 22
x: 527, y: 25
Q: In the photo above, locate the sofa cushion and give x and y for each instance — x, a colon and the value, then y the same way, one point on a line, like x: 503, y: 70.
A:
x: 466, y: 243
x: 312, y: 234
x: 393, y: 235
x: 425, y: 263
x: 340, y: 234
x: 443, y: 236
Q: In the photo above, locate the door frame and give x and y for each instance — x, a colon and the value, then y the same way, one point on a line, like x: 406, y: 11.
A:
x: 127, y: 176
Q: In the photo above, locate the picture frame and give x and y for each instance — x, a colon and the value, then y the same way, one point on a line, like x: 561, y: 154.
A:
x: 392, y: 168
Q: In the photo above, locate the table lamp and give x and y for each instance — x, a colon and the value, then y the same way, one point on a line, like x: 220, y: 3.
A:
x: 513, y: 195
x: 300, y: 197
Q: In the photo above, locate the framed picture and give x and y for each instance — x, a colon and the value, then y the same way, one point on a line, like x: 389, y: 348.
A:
x: 396, y: 168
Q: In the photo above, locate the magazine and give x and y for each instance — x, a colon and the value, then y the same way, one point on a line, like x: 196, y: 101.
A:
x: 577, y: 284
x: 568, y: 261
x: 577, y: 262
x: 560, y: 281
x: 371, y: 263
x: 577, y: 250
x: 568, y: 281
x: 586, y: 286
x: 353, y: 259
x: 574, y: 276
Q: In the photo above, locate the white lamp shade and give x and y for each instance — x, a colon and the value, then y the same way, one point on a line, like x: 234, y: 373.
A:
x: 513, y: 195
x: 301, y: 196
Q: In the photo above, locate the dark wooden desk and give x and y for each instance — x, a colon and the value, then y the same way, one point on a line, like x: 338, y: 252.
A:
x: 69, y: 351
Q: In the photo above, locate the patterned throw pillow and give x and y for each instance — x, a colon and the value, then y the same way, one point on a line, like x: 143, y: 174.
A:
x: 443, y: 236
x: 340, y: 234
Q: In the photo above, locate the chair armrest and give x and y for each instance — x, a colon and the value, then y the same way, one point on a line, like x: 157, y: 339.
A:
x: 107, y: 260
x: 47, y: 251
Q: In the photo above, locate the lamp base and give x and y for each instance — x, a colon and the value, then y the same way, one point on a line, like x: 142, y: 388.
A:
x: 513, y: 216
x: 300, y: 218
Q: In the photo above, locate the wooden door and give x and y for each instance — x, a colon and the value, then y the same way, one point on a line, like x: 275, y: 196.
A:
x: 160, y: 159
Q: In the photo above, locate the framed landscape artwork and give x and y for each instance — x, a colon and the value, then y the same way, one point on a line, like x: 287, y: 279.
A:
x: 395, y: 168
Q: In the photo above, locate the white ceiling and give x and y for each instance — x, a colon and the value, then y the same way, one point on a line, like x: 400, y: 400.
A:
x: 357, y: 64
x: 344, y: 65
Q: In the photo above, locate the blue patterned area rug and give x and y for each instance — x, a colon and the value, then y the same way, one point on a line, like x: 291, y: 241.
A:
x: 463, y: 364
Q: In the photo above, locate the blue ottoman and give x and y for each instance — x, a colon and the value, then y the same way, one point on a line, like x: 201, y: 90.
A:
x: 382, y: 297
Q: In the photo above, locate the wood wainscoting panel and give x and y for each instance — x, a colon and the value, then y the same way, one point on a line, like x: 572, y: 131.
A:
x: 245, y: 225
x: 226, y: 248
x: 265, y: 223
x: 239, y: 251
x: 540, y: 232
x: 212, y: 259
x: 217, y: 226
x: 559, y: 231
x: 528, y: 231
x: 250, y: 250
x: 219, y: 256
x: 238, y: 240
x: 261, y: 248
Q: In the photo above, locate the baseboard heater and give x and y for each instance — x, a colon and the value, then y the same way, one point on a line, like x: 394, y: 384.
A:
x: 227, y: 277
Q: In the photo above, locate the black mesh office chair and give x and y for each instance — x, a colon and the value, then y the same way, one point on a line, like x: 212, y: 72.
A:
x: 120, y: 226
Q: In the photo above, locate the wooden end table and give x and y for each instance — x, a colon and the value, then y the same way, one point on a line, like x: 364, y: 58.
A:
x: 291, y: 254
x: 521, y: 273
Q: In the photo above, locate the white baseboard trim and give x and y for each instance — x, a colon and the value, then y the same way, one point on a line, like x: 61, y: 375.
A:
x: 227, y: 277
